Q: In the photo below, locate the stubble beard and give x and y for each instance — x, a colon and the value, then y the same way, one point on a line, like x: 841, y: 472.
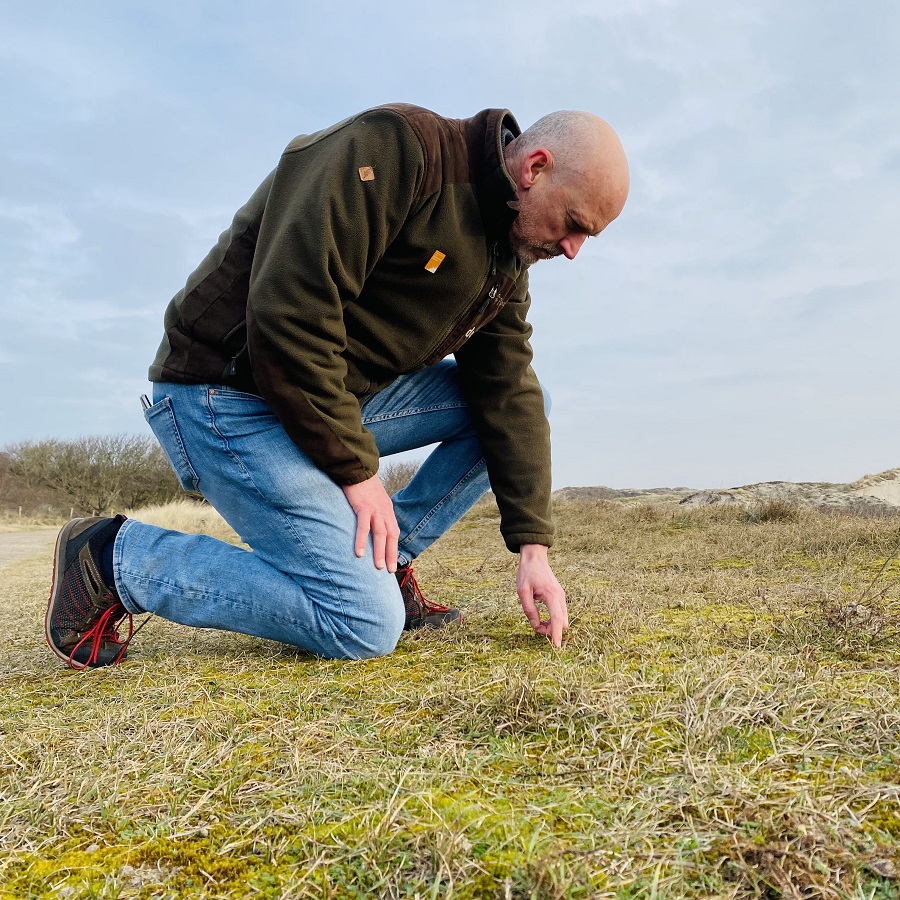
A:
x: 523, y: 242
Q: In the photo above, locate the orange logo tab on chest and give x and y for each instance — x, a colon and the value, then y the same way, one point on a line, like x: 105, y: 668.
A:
x: 436, y: 259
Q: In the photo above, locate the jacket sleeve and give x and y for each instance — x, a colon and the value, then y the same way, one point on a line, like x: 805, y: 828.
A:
x: 507, y: 404
x: 338, y: 199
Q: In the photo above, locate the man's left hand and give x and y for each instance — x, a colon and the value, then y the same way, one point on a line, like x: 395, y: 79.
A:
x: 374, y: 515
x: 536, y: 583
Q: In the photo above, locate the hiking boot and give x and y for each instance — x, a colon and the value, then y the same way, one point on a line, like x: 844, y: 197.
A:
x: 84, y: 614
x: 421, y: 612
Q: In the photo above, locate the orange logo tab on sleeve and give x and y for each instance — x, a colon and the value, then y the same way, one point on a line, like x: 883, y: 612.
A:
x: 436, y: 259
x: 366, y: 173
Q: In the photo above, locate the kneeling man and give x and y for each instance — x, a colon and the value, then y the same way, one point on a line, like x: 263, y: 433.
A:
x: 314, y: 338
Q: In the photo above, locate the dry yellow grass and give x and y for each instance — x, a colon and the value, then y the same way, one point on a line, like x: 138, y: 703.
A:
x: 721, y: 722
x: 11, y: 524
x: 186, y: 516
x: 181, y: 515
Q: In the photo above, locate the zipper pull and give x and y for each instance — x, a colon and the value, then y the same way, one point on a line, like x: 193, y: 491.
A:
x: 494, y: 259
x: 491, y: 294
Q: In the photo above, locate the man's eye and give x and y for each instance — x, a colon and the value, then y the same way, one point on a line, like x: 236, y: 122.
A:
x: 577, y: 227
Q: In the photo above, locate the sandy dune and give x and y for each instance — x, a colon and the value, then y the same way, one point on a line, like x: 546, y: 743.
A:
x: 885, y: 486
x: 871, y: 492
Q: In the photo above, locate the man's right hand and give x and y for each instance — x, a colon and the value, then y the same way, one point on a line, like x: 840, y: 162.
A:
x: 536, y: 583
x: 374, y: 513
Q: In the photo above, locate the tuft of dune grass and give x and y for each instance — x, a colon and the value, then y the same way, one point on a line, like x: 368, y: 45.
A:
x: 722, y: 721
x: 188, y: 516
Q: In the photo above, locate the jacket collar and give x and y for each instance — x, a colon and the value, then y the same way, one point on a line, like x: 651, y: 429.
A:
x: 489, y: 131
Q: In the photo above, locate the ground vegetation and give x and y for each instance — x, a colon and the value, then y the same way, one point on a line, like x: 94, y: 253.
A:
x: 722, y: 721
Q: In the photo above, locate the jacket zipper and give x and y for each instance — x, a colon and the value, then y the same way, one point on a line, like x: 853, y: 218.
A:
x: 473, y: 320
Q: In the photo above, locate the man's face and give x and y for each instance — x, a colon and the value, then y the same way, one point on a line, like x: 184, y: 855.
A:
x: 536, y: 232
x: 557, y: 215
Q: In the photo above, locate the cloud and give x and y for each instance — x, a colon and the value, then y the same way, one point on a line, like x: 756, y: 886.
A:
x: 58, y: 72
x: 753, y: 272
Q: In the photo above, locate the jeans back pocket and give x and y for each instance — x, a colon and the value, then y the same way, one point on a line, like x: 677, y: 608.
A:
x: 161, y: 419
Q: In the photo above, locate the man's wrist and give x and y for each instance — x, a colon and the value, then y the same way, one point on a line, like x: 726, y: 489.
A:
x: 536, y: 552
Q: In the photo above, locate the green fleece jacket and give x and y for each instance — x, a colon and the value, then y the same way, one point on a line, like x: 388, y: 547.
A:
x: 376, y: 248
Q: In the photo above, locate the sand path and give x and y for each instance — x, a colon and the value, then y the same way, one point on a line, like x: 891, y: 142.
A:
x: 18, y: 545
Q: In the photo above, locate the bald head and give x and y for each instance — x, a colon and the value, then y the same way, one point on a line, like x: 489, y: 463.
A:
x: 580, y: 142
x: 575, y: 153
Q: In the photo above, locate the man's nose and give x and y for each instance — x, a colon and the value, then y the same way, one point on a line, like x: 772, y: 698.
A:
x: 571, y: 244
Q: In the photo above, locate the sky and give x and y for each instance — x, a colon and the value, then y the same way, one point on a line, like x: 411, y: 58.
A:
x: 738, y: 323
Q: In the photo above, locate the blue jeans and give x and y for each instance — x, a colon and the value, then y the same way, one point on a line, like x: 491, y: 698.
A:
x: 302, y: 583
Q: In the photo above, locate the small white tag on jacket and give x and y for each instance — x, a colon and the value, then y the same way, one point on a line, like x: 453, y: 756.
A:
x: 366, y: 173
x: 436, y: 259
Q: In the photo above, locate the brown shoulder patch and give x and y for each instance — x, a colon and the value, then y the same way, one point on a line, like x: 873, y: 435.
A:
x: 443, y: 143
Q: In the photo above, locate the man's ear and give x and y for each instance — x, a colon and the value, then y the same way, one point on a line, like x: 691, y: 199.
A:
x: 537, y: 163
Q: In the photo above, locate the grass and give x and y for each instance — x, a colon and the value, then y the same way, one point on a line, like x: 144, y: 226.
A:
x: 11, y: 524
x: 722, y: 721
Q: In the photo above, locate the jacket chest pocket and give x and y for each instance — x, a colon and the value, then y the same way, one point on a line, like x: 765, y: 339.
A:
x: 487, y: 304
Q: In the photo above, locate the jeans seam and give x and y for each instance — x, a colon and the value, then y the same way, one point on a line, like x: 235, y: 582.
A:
x: 412, y: 410
x: 437, y: 506
x: 286, y: 521
x: 120, y: 584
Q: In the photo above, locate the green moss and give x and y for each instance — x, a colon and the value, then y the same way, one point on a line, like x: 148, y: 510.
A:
x: 801, y: 559
x: 742, y: 744
x: 886, y: 569
x: 883, y: 818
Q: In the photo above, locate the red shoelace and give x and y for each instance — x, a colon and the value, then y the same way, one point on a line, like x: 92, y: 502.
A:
x: 105, y: 629
x: 410, y: 579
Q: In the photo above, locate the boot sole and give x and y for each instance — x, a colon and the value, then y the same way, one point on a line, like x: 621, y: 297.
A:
x: 437, y: 620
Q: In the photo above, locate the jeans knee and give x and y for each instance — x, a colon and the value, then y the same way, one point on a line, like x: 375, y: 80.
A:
x: 381, y: 644
x: 377, y: 633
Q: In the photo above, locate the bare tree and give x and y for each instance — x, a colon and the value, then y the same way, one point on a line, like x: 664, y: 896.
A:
x: 95, y: 474
x: 397, y: 475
